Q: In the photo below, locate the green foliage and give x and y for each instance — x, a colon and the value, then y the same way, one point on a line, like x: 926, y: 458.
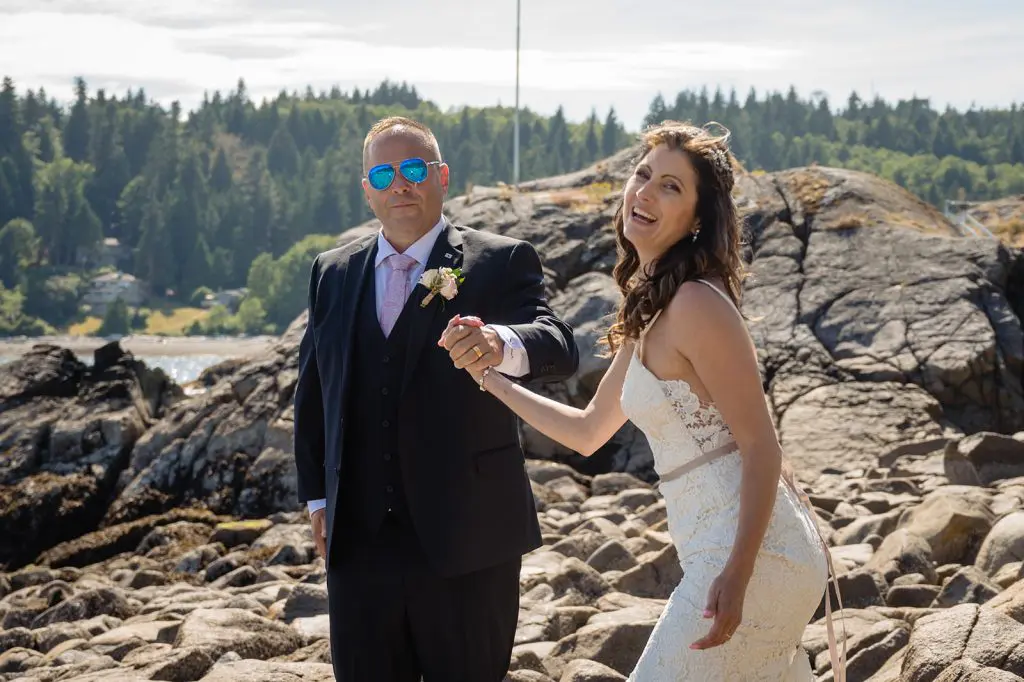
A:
x: 18, y: 248
x: 13, y: 320
x: 116, y: 320
x: 53, y: 294
x: 973, y: 155
x: 199, y: 295
x: 281, y: 285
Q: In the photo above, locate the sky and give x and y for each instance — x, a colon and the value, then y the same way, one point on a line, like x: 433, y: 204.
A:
x: 581, y: 54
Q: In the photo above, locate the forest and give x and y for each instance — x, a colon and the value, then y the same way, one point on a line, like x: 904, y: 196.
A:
x: 238, y: 193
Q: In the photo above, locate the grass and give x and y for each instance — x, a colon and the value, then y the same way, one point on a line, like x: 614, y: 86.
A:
x: 86, y: 327
x: 173, y: 321
x: 165, y: 321
x: 582, y: 199
x: 810, y: 188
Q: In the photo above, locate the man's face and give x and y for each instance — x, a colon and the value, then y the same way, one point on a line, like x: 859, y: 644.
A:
x: 405, y: 204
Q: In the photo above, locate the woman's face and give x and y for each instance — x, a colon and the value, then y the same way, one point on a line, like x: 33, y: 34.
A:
x: 660, y: 202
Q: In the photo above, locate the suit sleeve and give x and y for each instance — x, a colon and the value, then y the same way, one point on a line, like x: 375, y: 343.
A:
x: 308, y: 417
x: 548, y: 340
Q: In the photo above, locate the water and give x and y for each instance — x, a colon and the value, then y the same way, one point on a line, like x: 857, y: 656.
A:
x: 181, y: 368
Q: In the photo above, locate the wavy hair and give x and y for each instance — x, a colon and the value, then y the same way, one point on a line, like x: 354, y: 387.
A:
x: 716, y: 250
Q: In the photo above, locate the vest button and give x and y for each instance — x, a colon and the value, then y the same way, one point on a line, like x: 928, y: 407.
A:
x: 389, y: 489
x: 385, y: 423
x: 387, y: 456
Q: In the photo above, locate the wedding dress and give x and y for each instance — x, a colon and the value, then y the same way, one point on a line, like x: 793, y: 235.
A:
x: 699, y: 466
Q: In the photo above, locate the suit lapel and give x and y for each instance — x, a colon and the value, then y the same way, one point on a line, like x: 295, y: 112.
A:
x: 357, y: 274
x: 427, y: 322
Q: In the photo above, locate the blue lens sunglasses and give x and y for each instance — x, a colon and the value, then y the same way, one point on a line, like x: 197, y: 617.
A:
x: 414, y: 170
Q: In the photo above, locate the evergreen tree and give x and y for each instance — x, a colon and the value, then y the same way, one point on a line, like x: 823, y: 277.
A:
x: 76, y: 133
x: 610, y: 134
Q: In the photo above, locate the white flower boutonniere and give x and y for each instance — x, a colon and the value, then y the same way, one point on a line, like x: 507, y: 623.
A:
x: 444, y: 281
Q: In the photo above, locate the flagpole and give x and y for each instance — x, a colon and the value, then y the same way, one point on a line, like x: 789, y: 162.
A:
x: 515, y: 145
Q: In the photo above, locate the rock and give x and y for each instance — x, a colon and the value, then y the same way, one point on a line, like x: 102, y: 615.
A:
x: 617, y: 646
x: 582, y: 670
x: 267, y: 671
x: 983, y: 458
x: 612, y: 556
x: 656, y: 575
x: 66, y: 430
x: 218, y: 631
x: 951, y: 523
x: 982, y: 636
x: 903, y: 553
x: 1004, y: 544
x: 966, y: 586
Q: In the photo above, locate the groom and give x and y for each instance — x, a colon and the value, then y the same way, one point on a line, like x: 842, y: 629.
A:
x: 414, y: 478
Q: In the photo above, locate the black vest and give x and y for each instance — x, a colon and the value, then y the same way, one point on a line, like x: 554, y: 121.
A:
x: 371, y: 476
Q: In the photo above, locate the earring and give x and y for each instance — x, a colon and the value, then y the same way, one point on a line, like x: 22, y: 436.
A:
x: 695, y: 233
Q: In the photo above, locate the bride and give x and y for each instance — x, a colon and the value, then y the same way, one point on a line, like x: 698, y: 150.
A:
x: 685, y: 372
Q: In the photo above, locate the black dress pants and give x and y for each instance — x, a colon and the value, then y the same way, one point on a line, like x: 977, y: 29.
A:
x: 393, y: 619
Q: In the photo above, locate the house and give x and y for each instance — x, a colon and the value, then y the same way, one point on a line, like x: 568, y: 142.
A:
x: 107, y: 288
x: 229, y: 298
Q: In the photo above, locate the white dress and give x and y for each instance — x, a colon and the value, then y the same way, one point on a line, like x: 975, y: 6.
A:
x: 791, y: 571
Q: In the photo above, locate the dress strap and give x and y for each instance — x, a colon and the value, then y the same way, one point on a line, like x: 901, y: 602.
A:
x: 717, y: 291
x: 643, y: 335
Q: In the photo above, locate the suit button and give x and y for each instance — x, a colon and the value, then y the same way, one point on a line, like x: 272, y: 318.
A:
x: 385, y: 423
x: 389, y: 489
x: 386, y: 359
x: 387, y: 456
x: 384, y: 391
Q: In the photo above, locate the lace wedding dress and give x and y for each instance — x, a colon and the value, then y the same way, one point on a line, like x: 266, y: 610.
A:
x: 699, y: 466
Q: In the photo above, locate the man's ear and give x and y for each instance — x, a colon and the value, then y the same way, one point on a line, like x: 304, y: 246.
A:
x: 443, y: 168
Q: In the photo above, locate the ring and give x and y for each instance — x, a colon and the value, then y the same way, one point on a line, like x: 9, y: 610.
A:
x: 479, y: 353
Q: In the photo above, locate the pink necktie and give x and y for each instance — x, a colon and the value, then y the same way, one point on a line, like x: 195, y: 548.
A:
x: 396, y: 290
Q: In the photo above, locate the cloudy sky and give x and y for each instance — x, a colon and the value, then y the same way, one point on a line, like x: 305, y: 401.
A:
x: 582, y: 54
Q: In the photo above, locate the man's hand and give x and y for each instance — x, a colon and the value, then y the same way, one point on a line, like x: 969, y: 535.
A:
x: 318, y: 520
x: 472, y: 346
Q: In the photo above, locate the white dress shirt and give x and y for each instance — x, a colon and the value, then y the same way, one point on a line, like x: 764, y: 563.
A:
x: 515, y: 362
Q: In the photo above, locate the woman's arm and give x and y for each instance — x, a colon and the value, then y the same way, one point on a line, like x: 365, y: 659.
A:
x: 583, y: 431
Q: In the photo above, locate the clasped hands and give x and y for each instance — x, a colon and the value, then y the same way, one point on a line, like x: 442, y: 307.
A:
x: 472, y: 346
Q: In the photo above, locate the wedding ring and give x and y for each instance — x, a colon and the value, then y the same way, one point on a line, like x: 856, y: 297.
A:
x: 479, y: 353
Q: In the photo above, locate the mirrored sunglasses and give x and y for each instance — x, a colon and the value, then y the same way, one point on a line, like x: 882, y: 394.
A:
x: 414, y: 170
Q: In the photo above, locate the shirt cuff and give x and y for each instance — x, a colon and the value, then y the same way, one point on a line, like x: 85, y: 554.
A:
x: 515, y: 362
x: 315, y: 505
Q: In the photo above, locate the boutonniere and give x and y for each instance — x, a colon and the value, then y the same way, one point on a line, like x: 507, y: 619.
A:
x: 444, y: 281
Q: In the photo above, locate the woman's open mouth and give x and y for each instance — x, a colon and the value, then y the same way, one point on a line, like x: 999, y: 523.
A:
x: 643, y: 216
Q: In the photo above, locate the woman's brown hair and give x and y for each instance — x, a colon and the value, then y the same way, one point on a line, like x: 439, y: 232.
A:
x: 715, y: 251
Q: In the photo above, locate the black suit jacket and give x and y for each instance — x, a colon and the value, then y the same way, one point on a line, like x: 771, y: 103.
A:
x: 462, y: 462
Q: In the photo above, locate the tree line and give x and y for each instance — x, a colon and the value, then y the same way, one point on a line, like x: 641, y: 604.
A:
x: 938, y: 155
x: 215, y: 197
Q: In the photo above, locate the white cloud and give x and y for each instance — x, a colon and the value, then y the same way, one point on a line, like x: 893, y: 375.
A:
x: 581, y: 54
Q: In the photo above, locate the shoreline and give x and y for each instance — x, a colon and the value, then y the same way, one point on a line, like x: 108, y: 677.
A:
x: 146, y: 345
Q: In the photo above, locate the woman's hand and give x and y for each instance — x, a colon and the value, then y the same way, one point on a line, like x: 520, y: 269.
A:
x: 725, y: 605
x: 453, y: 324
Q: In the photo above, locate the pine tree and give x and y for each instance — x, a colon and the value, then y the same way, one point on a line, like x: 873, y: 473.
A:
x: 198, y: 270
x: 591, y: 146
x: 610, y: 134
x: 282, y: 153
x: 76, y: 133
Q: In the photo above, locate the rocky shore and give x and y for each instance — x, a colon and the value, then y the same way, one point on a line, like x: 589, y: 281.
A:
x: 929, y: 556
x: 150, y: 534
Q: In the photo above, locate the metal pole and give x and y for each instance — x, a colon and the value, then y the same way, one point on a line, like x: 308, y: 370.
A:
x: 515, y: 145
